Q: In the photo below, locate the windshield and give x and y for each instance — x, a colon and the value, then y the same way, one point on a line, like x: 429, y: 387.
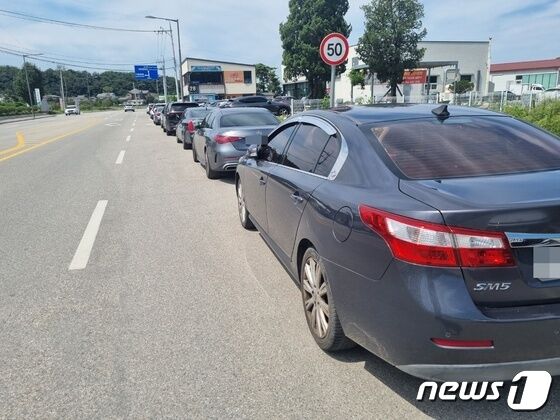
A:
x: 197, y: 113
x: 248, y: 119
x: 466, y: 146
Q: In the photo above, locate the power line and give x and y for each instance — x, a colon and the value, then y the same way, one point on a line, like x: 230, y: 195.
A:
x: 71, y: 63
x: 24, y: 16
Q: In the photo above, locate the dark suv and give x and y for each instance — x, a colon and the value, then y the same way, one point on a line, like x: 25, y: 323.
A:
x: 172, y: 113
x: 276, y: 107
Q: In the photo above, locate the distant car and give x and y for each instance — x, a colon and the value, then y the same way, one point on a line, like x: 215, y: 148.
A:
x: 153, y: 109
x: 128, y: 108
x: 186, y: 127
x: 72, y: 110
x: 172, y: 115
x: 219, y: 141
x: 157, y: 114
x: 552, y: 93
x: 276, y: 107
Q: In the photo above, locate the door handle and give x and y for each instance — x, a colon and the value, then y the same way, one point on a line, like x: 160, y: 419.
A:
x: 262, y: 181
x: 296, y: 197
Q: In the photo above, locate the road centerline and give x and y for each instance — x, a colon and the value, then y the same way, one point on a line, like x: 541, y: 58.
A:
x: 120, y: 157
x: 81, y: 256
x: 128, y: 138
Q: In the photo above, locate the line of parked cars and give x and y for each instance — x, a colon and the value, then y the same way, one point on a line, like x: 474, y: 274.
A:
x: 429, y: 236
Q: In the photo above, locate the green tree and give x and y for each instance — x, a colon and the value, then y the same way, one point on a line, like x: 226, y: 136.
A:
x: 309, y: 21
x: 461, y: 86
x: 267, y: 80
x: 7, y: 77
x: 35, y: 81
x: 389, y: 44
x: 357, y: 77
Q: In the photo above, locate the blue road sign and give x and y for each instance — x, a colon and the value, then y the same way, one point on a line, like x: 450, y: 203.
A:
x: 146, y: 72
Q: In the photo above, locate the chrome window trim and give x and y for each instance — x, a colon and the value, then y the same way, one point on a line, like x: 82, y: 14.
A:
x: 328, y: 128
x: 532, y: 240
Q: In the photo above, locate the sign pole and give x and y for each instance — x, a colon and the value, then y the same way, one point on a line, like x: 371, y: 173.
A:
x: 333, y: 79
x: 334, y: 51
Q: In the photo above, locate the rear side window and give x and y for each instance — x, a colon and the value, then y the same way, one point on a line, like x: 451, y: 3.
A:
x: 248, y: 119
x: 466, y: 147
x: 306, y: 147
x: 180, y: 107
x: 328, y: 157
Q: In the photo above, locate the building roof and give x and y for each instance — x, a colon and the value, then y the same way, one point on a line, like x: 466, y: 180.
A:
x: 526, y: 65
x: 216, y: 61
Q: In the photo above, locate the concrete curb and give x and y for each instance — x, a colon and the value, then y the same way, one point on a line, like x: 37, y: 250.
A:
x: 6, y: 120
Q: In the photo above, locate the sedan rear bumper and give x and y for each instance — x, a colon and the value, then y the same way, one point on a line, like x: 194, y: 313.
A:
x: 486, y: 371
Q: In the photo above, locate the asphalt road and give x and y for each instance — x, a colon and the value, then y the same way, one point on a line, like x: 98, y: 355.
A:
x: 177, y: 312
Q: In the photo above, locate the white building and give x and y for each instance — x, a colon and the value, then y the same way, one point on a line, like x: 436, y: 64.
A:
x: 443, y: 63
x: 213, y: 80
x: 543, y: 72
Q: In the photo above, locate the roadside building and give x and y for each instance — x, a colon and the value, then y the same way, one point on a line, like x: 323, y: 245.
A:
x: 504, y: 76
x: 444, y: 62
x: 210, y: 80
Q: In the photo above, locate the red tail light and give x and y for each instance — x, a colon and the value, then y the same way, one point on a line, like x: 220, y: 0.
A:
x: 426, y: 243
x: 190, y: 127
x: 221, y: 139
x: 463, y: 344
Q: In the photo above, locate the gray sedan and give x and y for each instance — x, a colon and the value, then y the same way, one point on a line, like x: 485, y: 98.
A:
x: 219, y: 141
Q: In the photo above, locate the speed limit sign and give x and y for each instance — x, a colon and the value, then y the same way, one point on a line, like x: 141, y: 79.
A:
x: 334, y: 49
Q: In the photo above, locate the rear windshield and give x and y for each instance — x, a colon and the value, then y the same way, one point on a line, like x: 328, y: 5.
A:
x: 198, y: 113
x: 248, y: 119
x: 466, y: 147
x: 182, y: 106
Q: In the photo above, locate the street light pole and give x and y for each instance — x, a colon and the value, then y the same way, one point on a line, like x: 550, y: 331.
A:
x: 181, y: 87
x: 177, y: 93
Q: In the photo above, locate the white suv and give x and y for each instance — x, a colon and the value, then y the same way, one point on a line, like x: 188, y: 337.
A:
x: 72, y: 110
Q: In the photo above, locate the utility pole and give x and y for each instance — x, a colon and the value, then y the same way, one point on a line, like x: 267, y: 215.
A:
x: 177, y: 93
x: 164, y: 83
x: 27, y: 81
x: 180, y: 57
x: 63, y: 105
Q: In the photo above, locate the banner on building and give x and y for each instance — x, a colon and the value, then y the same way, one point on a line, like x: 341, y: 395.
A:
x: 233, y: 76
x: 415, y: 77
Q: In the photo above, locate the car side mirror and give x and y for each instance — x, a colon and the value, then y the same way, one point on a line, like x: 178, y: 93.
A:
x: 198, y: 126
x: 256, y: 139
x: 253, y: 151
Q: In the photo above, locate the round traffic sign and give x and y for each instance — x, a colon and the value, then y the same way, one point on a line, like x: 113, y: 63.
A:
x: 334, y: 49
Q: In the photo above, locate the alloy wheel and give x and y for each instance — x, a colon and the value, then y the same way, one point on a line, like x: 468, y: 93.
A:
x: 241, y: 203
x: 315, y: 297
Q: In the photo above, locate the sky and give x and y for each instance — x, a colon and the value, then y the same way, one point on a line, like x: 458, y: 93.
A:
x: 247, y: 30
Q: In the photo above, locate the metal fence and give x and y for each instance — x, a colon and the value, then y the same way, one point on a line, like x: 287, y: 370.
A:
x: 495, y: 101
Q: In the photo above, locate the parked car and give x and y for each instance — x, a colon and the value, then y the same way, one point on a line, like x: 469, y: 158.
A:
x: 172, y: 115
x: 424, y: 235
x: 128, y: 107
x: 157, y: 114
x: 552, y: 93
x: 71, y: 110
x: 185, y: 128
x: 276, y: 107
x: 153, y: 109
x: 149, y: 108
x: 163, y: 114
x: 219, y: 141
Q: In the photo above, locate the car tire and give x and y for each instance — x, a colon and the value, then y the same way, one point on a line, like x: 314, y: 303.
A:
x: 210, y: 173
x: 284, y: 112
x: 319, y: 306
x: 194, y: 155
x: 242, y: 208
x: 169, y: 132
x: 186, y: 146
